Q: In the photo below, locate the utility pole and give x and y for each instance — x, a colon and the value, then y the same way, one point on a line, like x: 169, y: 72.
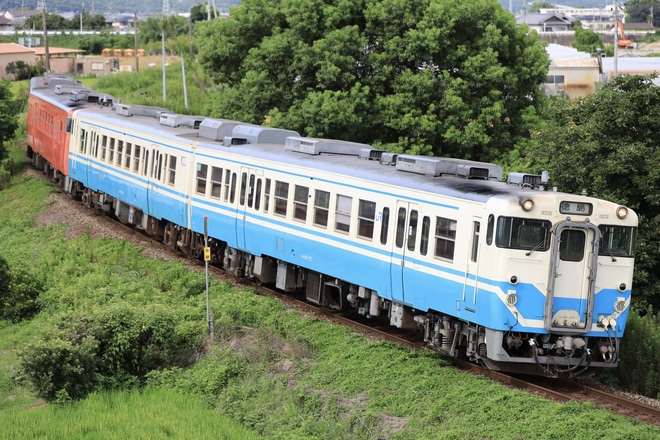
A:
x: 135, y: 41
x: 616, y: 39
x: 42, y: 6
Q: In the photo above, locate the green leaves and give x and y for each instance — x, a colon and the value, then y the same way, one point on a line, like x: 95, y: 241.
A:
x: 426, y: 76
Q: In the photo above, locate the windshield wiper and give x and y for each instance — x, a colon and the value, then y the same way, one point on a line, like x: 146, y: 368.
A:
x: 535, y: 248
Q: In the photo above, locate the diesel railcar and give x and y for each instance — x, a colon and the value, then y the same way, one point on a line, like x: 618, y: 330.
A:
x: 506, y: 273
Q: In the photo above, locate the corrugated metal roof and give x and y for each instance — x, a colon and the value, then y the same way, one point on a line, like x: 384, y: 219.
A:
x: 10, y: 48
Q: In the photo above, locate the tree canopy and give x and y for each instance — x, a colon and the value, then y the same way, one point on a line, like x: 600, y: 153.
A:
x: 606, y: 143
x: 437, y: 77
x: 8, y: 116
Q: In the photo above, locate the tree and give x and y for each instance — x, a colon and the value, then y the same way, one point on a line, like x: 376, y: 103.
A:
x: 537, y: 6
x: 586, y: 40
x: 423, y: 76
x: 8, y: 118
x: 22, y: 70
x: 606, y: 144
x: 643, y: 11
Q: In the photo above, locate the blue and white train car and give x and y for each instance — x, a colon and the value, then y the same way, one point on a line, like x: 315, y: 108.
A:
x: 505, y: 273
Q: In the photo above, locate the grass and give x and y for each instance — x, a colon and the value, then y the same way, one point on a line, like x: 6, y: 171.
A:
x: 276, y: 374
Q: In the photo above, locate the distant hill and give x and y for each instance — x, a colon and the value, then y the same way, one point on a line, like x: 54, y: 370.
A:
x: 111, y: 6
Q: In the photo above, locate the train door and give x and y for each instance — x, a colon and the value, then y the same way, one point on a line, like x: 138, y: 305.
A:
x: 407, y: 219
x: 569, y: 304
x: 153, y: 176
x: 471, y: 282
x: 248, y: 203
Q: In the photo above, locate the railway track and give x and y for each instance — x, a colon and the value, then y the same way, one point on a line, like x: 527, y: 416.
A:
x: 558, y: 390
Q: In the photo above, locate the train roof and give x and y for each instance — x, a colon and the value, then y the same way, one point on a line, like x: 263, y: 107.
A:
x: 66, y: 92
x: 218, y: 137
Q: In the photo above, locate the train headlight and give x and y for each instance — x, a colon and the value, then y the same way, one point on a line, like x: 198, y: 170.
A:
x: 622, y: 212
x: 527, y: 204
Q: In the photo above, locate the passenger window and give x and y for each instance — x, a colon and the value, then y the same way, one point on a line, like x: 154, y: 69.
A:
x: 136, y: 159
x: 241, y: 199
x: 145, y: 162
x: 445, y: 238
x: 227, y: 186
x: 172, y: 170
x: 127, y: 162
x: 343, y: 213
x: 300, y: 196
x: 267, y: 196
x: 426, y: 230
x: 257, y: 195
x: 83, y: 140
x: 321, y: 207
x: 202, y: 171
x: 232, y: 189
x: 216, y: 182
x: 366, y: 217
x: 281, y: 197
x: 412, y: 230
x: 400, y: 227
x: 120, y: 152
x: 104, y: 146
x: 111, y: 156
x: 251, y: 191
x: 385, y: 226
x: 476, y: 226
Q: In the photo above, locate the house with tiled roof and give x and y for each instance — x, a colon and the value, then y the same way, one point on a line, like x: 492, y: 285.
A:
x: 12, y: 52
x: 548, y: 22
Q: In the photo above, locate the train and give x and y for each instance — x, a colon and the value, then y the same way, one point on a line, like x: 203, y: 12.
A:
x: 508, y: 273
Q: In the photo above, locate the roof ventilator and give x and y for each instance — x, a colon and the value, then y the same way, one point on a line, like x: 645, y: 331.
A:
x: 315, y: 146
x: 138, y: 110
x: 438, y: 166
x: 175, y: 120
x: 216, y: 129
x: 525, y: 180
x: 255, y: 134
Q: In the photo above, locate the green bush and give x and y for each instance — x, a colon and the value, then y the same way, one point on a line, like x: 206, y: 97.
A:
x: 19, y: 292
x: 60, y: 368
x: 639, y: 356
x: 114, y: 348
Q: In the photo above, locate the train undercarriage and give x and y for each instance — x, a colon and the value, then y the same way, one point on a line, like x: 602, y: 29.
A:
x: 538, y: 354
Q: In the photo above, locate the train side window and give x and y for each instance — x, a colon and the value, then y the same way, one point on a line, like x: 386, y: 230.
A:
x: 158, y: 164
x: 216, y: 182
x: 426, y: 230
x: 227, y: 186
x: 136, y: 159
x: 69, y: 124
x: 321, y: 207
x: 145, y: 162
x: 251, y: 191
x: 95, y: 144
x: 83, y: 140
x: 120, y: 152
x: 281, y: 197
x: 400, y: 227
x: 111, y: 155
x: 104, y: 146
x: 445, y: 238
x: 343, y: 213
x: 267, y: 195
x: 366, y: 217
x: 202, y: 171
x: 412, y: 229
x: 129, y: 152
x: 490, y: 229
x: 384, y: 225
x: 257, y: 195
x: 476, y: 227
x: 232, y: 188
x: 172, y: 170
x: 300, y: 196
x: 241, y: 199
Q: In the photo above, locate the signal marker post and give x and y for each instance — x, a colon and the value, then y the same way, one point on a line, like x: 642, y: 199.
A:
x: 207, y: 258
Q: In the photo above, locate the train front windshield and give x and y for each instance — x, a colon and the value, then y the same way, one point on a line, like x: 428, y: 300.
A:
x: 523, y: 233
x: 617, y: 241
